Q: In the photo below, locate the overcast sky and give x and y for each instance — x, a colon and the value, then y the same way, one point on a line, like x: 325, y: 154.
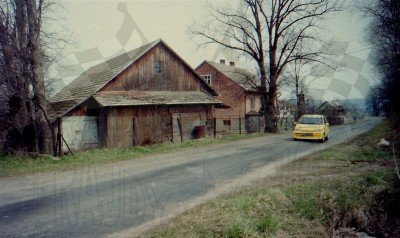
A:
x: 102, y: 28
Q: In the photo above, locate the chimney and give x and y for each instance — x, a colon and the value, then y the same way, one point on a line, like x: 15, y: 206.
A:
x: 232, y: 63
x: 222, y: 61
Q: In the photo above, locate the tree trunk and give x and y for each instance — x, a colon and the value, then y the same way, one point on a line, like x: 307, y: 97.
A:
x: 298, y: 102
x: 18, y: 131
x: 263, y: 91
x: 44, y: 135
x: 272, y: 96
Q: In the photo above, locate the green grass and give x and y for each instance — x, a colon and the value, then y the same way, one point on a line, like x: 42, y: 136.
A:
x: 300, y: 210
x: 366, y: 199
x: 363, y: 148
x: 13, y: 165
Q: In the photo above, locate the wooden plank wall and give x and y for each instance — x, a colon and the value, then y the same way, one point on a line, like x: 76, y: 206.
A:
x: 130, y: 126
x: 119, y: 127
x: 140, y: 76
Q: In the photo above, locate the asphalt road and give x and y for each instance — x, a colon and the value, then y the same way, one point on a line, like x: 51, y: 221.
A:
x: 125, y: 198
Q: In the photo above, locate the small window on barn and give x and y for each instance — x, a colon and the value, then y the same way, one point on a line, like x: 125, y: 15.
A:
x: 207, y: 78
x: 158, y: 67
x: 227, y: 122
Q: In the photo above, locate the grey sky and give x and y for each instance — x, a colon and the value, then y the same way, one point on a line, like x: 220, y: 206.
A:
x: 97, y: 27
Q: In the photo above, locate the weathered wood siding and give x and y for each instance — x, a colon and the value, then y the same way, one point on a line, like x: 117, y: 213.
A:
x: 130, y: 126
x: 119, y: 127
x: 122, y: 127
x: 141, y: 76
x: 88, y: 108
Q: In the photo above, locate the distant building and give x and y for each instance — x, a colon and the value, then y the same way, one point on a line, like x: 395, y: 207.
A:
x: 333, y: 111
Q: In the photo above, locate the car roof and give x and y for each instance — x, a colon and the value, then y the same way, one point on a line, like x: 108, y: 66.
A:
x: 312, y: 115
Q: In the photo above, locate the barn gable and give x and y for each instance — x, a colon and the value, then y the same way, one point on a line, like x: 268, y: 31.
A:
x: 131, y: 71
x: 160, y: 69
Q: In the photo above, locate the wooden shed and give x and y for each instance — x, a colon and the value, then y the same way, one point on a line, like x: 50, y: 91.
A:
x: 145, y: 96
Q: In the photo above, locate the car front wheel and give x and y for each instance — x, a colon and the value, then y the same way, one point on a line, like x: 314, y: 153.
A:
x: 323, y: 138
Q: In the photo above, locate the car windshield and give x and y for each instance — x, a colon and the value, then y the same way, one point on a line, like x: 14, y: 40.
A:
x: 311, y: 120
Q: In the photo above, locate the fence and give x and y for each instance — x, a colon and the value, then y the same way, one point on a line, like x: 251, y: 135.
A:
x: 239, y: 125
x: 251, y: 124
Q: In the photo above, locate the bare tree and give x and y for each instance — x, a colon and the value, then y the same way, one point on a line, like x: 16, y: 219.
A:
x: 298, y: 79
x: 384, y: 36
x: 269, y: 32
x: 24, y: 113
x: 302, y: 72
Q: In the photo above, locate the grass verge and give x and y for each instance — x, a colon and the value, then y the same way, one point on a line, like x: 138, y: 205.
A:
x: 345, y: 198
x: 14, y: 165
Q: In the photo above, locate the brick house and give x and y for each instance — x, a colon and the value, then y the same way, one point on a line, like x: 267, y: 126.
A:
x: 236, y: 88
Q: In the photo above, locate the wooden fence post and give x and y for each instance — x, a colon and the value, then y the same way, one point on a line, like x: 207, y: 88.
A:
x: 240, y: 125
x: 215, y: 127
x: 59, y: 137
x: 180, y: 128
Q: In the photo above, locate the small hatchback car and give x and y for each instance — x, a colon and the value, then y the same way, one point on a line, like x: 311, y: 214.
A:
x: 311, y: 127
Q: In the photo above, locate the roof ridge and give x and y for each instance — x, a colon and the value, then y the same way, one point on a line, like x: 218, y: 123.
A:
x: 226, y: 65
x: 90, y: 70
x: 236, y: 74
x: 96, y: 77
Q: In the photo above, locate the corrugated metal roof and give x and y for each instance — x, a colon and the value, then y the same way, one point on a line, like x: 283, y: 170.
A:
x: 93, y: 80
x: 142, y: 98
x: 242, y: 77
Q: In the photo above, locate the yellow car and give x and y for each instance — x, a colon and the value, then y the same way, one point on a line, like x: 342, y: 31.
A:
x: 311, y: 127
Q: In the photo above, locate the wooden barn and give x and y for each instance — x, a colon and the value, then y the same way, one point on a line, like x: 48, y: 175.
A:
x: 145, y: 96
x: 236, y: 88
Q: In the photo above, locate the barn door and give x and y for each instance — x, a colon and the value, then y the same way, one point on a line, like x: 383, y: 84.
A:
x: 120, y: 131
x: 80, y: 132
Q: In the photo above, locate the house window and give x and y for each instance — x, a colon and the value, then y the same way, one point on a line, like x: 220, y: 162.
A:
x: 157, y: 67
x: 252, y: 103
x: 227, y: 122
x: 207, y: 78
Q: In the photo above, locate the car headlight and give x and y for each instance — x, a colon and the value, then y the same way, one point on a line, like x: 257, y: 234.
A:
x: 318, y: 130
